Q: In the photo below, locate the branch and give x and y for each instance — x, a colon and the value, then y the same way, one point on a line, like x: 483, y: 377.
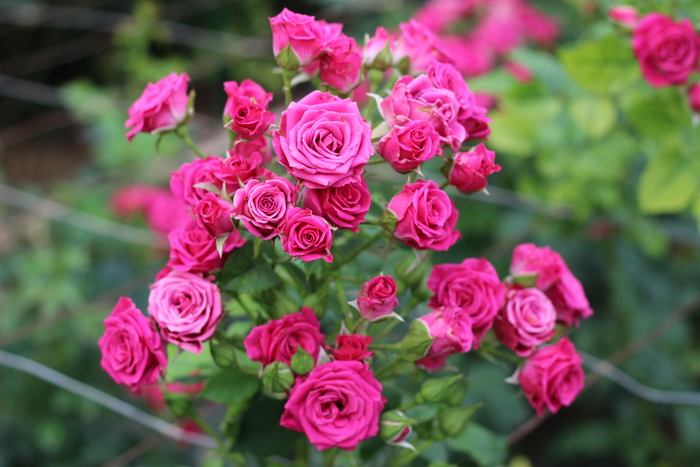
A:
x: 103, y: 399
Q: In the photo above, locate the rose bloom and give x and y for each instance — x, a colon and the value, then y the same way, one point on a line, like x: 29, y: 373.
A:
x: 248, y: 88
x: 627, y: 16
x: 472, y: 57
x: 161, y: 107
x: 132, y: 351
x: 474, y: 286
x: 420, y: 45
x: 306, y: 37
x: 183, y: 180
x: 277, y: 340
x: 694, y: 97
x: 408, y: 145
x: 477, y: 126
x: 470, y: 169
x: 352, y: 347
x: 338, y: 405
x: 377, y: 298
x: 323, y: 140
x: 554, y: 279
x: 526, y: 321
x: 426, y: 217
x: 248, y: 119
x: 263, y: 206
x: 187, y: 308
x: 307, y: 236
x: 451, y: 327
x: 340, y: 66
x: 214, y: 215
x: 667, y: 51
x: 258, y: 147
x: 345, y: 206
x: 446, y: 76
x: 552, y: 377
x: 237, y: 169
x: 192, y: 249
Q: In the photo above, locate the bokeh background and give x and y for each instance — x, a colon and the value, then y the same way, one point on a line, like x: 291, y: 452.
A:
x: 574, y: 176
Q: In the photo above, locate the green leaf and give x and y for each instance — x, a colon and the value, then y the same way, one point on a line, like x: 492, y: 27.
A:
x: 604, y: 66
x: 595, y: 116
x: 240, y: 261
x: 182, y: 364
x: 231, y: 386
x: 656, y: 112
x: 484, y: 446
x: 668, y: 182
x: 259, y: 278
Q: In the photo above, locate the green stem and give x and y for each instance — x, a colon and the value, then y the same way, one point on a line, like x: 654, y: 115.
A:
x: 352, y: 458
x: 445, y: 184
x: 513, y: 358
x: 208, y: 430
x: 370, y: 241
x: 287, y: 77
x: 388, y: 368
x: 345, y: 308
x: 384, y: 346
x: 358, y: 324
x: 404, y: 460
x: 184, y: 135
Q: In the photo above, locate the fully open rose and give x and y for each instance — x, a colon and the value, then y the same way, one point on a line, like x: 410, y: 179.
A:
x: 262, y: 205
x: 307, y: 236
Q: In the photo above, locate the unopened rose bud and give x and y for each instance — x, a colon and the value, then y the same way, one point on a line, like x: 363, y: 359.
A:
x: 470, y: 169
x: 377, y: 298
x: 626, y: 16
x: 277, y: 377
x: 417, y: 342
x: 223, y: 354
x: 412, y: 271
x: 455, y: 395
x: 302, y: 362
x: 395, y: 426
x: 434, y: 390
x: 377, y: 51
x: 453, y: 420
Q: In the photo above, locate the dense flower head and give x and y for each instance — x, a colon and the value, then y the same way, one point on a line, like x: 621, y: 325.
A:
x: 237, y: 169
x: 193, y: 249
x: 300, y: 36
x: 249, y: 89
x: 249, y: 120
x: 161, y: 107
x: 344, y: 207
x: 307, y: 236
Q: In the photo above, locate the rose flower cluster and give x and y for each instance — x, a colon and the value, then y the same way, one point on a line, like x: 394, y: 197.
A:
x: 299, y: 183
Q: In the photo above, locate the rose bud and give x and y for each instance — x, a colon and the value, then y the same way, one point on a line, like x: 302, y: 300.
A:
x: 133, y: 353
x: 694, y: 97
x: 470, y: 169
x: 352, y: 347
x: 526, y: 321
x: 552, y: 377
x: 417, y: 342
x: 277, y: 377
x: 395, y: 426
x: 477, y: 126
x: 161, y: 107
x: 340, y: 67
x: 433, y: 391
x: 237, y: 169
x: 626, y: 16
x: 248, y: 89
x: 451, y: 328
x: 296, y: 39
x: 377, y: 298
x: 377, y: 52
x: 453, y: 420
x: 307, y: 236
x: 302, y: 362
x: 407, y: 146
x: 248, y: 119
x: 214, y: 215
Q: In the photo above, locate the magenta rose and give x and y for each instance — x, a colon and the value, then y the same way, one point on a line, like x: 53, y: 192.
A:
x: 446, y: 76
x: 431, y: 364
x: 451, y: 327
x: 249, y: 89
x: 340, y: 66
x: 307, y: 236
x: 420, y: 45
x: 410, y: 144
x: 667, y: 51
x: 426, y: 217
x: 554, y: 279
x: 192, y: 249
x: 186, y: 308
x: 323, y: 140
x: 377, y: 298
x: 352, y: 347
x: 248, y: 119
x: 473, y: 286
x: 161, y: 107
x: 263, y: 205
x: 183, y: 181
x: 345, y: 206
x: 238, y: 168
x: 477, y: 126
x: 694, y: 97
x: 259, y: 147
x: 338, y: 405
x: 277, y: 341
x: 552, y: 377
x: 470, y: 169
x: 305, y: 38
x: 379, y: 50
x: 526, y: 321
x: 627, y: 16
x: 132, y: 351
x: 214, y: 215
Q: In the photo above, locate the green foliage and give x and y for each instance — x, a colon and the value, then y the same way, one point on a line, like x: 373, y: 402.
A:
x: 230, y: 386
x: 486, y: 448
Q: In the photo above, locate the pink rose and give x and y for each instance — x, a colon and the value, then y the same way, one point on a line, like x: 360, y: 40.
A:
x: 345, y: 206
x: 248, y: 119
x: 352, y: 347
x: 307, y: 236
x: 438, y: 15
x: 477, y: 126
x: 161, y: 107
x: 237, y: 169
x: 377, y: 298
x: 421, y: 46
x: 472, y: 56
x: 338, y: 405
x: 470, y: 169
x: 667, y: 51
x: 214, y: 215
x: 379, y: 50
x: 526, y: 321
x: 473, y: 286
x: 407, y: 146
x: 554, y: 279
x: 426, y: 217
x: 162, y: 211
x: 694, y: 97
x: 431, y: 364
x: 249, y: 89
x: 183, y: 181
x: 340, y: 66
x: 263, y: 206
x: 277, y: 340
x: 539, y: 27
x: 451, y: 327
x: 305, y: 37
x: 552, y: 377
x: 132, y: 351
x: 186, y: 308
x: 192, y: 249
x: 627, y: 16
x: 249, y: 149
x: 446, y: 76
x: 323, y: 140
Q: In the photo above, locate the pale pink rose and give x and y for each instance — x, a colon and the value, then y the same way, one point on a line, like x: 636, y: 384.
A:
x: 552, y: 377
x: 627, y: 16
x: 277, y: 340
x: 307, y: 236
x: 193, y: 249
x: 694, y: 97
x: 248, y: 119
x: 338, y: 405
x: 378, y: 51
x: 132, y: 351
x: 161, y: 107
x: 352, y: 347
x: 214, y: 215
x: 518, y: 71
x: 238, y: 169
x: 377, y: 298
x: 431, y: 364
x: 323, y: 140
x: 183, y: 181
x: 451, y: 327
x: 248, y: 88
x: 474, y: 286
x: 306, y: 37
x: 340, y: 66
x: 409, y: 144
x: 187, y: 309
x: 667, y: 51
x: 344, y: 207
x: 262, y: 205
x: 526, y: 321
x: 420, y: 45
x: 132, y: 200
x: 426, y: 217
x: 248, y: 149
x: 470, y: 169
